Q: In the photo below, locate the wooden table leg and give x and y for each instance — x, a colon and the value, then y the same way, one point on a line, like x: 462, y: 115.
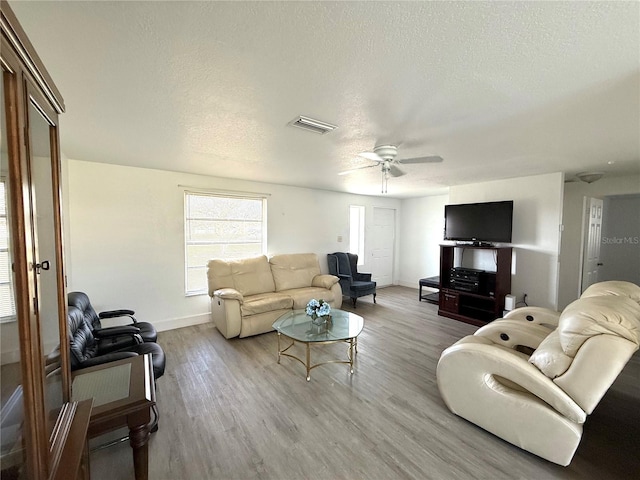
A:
x: 138, y: 438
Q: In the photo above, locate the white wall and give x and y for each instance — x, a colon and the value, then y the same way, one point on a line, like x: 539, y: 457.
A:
x: 126, y: 234
x: 537, y: 216
x: 574, y: 194
x: 421, y: 233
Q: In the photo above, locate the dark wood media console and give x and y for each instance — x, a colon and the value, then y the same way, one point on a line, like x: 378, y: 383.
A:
x: 475, y: 305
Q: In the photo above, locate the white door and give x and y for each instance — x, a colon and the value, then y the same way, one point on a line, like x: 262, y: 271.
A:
x: 382, y: 240
x: 591, y: 243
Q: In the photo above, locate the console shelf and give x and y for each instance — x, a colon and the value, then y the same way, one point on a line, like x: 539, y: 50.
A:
x: 475, y: 307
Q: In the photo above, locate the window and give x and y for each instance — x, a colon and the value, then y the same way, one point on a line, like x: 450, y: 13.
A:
x: 7, y: 301
x: 219, y: 226
x: 356, y: 232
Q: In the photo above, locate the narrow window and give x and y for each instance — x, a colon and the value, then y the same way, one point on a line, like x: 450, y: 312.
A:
x: 356, y: 231
x: 7, y: 301
x: 219, y: 226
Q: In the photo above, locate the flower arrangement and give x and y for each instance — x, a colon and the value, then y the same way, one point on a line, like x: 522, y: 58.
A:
x: 318, y: 308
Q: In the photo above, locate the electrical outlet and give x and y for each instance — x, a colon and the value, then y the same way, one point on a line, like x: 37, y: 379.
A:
x: 339, y: 238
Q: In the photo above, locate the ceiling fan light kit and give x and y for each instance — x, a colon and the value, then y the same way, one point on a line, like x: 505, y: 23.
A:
x: 590, y: 177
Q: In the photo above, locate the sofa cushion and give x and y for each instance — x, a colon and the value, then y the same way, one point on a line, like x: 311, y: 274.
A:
x: 253, y: 275
x: 607, y: 314
x: 549, y: 356
x: 265, y: 302
x: 301, y: 296
x: 219, y: 275
x: 294, y: 270
x: 249, y: 276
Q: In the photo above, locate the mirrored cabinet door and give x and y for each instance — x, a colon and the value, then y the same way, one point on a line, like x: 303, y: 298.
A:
x: 12, y: 434
x: 43, y: 434
x: 45, y: 266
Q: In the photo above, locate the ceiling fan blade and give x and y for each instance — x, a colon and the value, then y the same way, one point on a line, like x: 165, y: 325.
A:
x: 395, y: 171
x: 371, y: 156
x: 427, y: 159
x: 347, y: 172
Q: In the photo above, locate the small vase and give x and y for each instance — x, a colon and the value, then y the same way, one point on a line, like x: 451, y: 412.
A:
x: 316, y: 320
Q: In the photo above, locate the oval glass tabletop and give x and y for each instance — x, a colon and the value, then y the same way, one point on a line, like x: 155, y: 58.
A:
x: 298, y: 326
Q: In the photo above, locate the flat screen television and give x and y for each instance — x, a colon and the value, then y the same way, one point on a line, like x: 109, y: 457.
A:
x: 488, y: 222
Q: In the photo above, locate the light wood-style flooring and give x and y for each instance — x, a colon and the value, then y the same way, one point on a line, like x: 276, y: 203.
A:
x: 229, y: 411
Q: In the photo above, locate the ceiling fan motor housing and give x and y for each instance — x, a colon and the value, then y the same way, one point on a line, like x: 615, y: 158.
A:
x: 386, y: 152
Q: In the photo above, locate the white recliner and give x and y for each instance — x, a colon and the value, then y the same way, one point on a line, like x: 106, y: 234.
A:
x: 533, y: 377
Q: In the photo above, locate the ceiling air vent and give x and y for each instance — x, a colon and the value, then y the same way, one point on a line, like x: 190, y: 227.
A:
x: 315, y: 126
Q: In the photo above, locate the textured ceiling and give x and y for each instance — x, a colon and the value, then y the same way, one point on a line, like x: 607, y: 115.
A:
x: 498, y: 89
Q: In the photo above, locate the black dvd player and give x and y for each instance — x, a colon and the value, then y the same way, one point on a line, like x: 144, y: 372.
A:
x: 469, y: 274
x: 465, y: 279
x: 472, y: 280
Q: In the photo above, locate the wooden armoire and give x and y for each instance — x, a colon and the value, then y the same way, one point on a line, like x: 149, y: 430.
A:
x: 43, y: 433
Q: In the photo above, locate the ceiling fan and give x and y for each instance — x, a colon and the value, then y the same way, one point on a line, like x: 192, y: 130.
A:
x: 384, y: 157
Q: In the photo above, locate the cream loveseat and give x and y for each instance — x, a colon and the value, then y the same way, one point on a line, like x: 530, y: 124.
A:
x: 248, y: 295
x: 533, y: 377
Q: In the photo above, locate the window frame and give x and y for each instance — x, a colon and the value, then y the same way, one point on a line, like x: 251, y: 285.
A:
x: 356, y: 245
x: 12, y: 317
x: 217, y: 194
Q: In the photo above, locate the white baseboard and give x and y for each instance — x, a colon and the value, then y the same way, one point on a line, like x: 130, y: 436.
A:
x: 173, y: 323
x: 10, y: 356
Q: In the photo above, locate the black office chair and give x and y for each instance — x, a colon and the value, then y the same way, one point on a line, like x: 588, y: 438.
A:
x: 106, y: 337
x: 87, y: 350
x: 354, y: 284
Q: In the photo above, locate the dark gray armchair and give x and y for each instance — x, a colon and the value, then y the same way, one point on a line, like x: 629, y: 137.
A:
x: 354, y: 284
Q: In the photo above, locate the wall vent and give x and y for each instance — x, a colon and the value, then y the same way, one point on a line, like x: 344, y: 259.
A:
x: 315, y: 126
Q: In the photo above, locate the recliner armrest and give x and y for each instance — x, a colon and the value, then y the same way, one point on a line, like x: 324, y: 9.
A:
x: 119, y: 331
x: 483, y: 363
x: 229, y: 294
x: 116, y: 331
x: 118, y: 313
x: 324, y: 281
x: 536, y: 315
x: 513, y: 333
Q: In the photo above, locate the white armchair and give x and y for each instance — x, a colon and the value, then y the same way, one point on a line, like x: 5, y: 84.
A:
x: 533, y: 378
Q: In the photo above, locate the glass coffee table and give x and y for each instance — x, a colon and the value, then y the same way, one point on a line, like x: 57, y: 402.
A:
x: 297, y: 327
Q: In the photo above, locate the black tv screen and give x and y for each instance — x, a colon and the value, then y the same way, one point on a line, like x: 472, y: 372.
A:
x: 479, y: 222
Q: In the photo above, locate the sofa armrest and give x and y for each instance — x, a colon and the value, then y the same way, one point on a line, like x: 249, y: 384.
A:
x: 536, y: 315
x: 229, y: 294
x: 324, y: 281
